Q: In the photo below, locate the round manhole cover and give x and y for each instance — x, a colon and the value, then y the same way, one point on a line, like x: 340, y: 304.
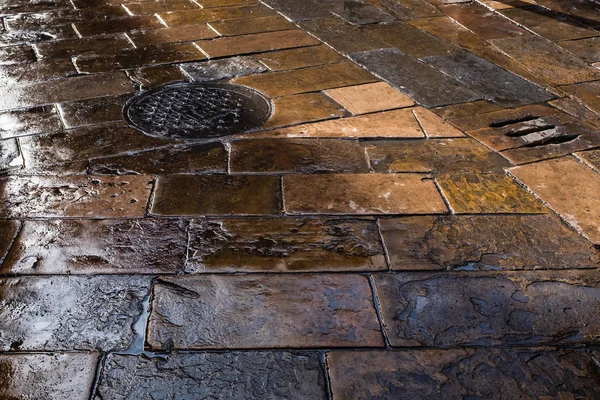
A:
x: 197, y: 111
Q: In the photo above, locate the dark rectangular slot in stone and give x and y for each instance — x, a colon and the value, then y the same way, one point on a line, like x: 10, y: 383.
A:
x: 501, y: 123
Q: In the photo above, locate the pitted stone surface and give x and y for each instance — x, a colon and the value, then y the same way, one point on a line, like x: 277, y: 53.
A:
x: 233, y: 375
x: 70, y: 313
x: 483, y: 309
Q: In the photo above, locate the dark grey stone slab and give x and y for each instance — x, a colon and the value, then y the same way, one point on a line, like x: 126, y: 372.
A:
x: 423, y: 83
x: 69, y: 312
x: 467, y: 309
x: 494, y: 83
x: 343, y: 37
x: 232, y: 375
x: 222, y: 69
x: 358, y: 13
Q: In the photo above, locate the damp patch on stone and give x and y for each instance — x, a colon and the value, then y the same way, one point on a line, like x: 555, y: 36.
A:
x: 197, y: 110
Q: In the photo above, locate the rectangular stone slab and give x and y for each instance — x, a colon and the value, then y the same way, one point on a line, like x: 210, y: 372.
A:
x: 427, y: 86
x: 263, y: 311
x: 254, y: 375
x: 462, y: 373
x: 490, y: 309
x: 283, y: 245
x: 70, y: 313
x: 97, y: 246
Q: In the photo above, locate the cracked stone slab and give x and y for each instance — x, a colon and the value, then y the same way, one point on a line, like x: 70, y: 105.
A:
x: 74, y: 196
x: 490, y: 309
x: 428, y: 86
x: 463, y: 373
x: 222, y: 69
x: 97, y: 246
x: 70, y: 313
x: 485, y: 242
x: 494, y: 83
x: 232, y: 375
x: 263, y: 311
x: 48, y: 376
x: 283, y: 244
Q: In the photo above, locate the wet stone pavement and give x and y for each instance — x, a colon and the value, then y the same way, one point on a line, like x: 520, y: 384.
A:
x: 415, y: 215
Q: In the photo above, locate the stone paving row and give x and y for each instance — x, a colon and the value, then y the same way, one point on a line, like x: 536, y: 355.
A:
x: 418, y: 218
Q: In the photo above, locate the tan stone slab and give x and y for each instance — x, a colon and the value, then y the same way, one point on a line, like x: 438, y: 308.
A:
x: 487, y: 193
x: 299, y: 58
x: 371, y: 97
x: 432, y: 155
x: 389, y: 124
x: 216, y: 195
x: 485, y: 242
x: 466, y: 109
x: 301, y: 108
x: 258, y: 311
x: 48, y: 376
x: 29, y: 122
x: 569, y: 188
x: 74, y: 196
x: 256, y: 43
x: 60, y: 90
x: 547, y: 60
x: 297, y: 156
x: 186, y: 33
x: 361, y: 194
x: 588, y: 93
x: 434, y: 126
x: 307, y: 80
x: 284, y: 245
x: 193, y: 17
x: 151, y: 7
x: 123, y: 246
x: 251, y: 25
x: 92, y: 111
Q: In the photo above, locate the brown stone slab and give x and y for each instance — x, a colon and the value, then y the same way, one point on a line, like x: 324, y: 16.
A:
x: 503, y: 117
x: 389, y: 124
x: 590, y: 157
x: 569, y: 188
x: 434, y: 126
x: 588, y: 93
x: 225, y: 3
x: 485, y: 242
x: 483, y: 22
x: 216, y: 195
x: 71, y: 312
x: 36, y: 21
x: 251, y: 25
x: 150, y: 77
x: 18, y: 37
x: 47, y: 376
x: 264, y: 311
x: 489, y: 309
x: 256, y: 43
x: 284, y: 245
x: 410, y: 40
x: 176, y: 34
x: 497, y: 193
x: 547, y: 23
x: 144, y: 56
x: 547, y: 60
x: 74, y: 145
x: 308, y: 79
x: 252, y: 375
x: 98, y: 45
x: 8, y: 231
x: 407, y: 9
x: 462, y: 373
x: 299, y: 58
x: 466, y: 109
x: 223, y: 69
x: 361, y: 194
x: 152, y: 7
x: 92, y: 111
x: 102, y: 27
x: 586, y: 49
x: 74, y: 196
x: 202, y: 158
x: 433, y: 155
x: 42, y: 70
x: 370, y: 97
x: 193, y: 17
x: 141, y: 246
x: 61, y: 90
x: 16, y: 55
x: 297, y: 156
x: 301, y: 108
x: 29, y: 122
x: 575, y: 108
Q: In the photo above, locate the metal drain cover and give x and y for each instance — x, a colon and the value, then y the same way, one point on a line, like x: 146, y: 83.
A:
x: 197, y: 111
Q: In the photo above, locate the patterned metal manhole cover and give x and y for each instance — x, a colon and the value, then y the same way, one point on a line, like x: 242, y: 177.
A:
x: 197, y: 111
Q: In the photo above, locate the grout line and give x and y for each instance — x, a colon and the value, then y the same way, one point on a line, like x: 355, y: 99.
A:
x: 99, y: 369
x: 377, y: 307
x: 325, y: 365
x: 443, y: 195
x: 386, y: 254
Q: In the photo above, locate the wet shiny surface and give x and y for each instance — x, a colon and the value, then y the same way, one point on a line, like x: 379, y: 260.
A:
x: 417, y: 217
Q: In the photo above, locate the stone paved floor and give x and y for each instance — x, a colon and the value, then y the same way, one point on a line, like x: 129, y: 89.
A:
x: 418, y: 219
